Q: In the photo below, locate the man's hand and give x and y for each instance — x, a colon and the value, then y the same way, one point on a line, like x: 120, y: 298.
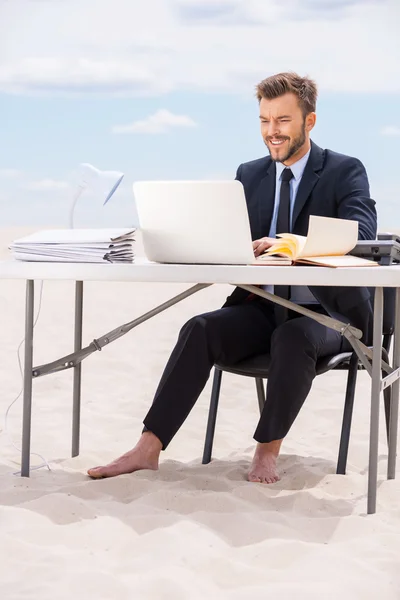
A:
x: 259, y: 246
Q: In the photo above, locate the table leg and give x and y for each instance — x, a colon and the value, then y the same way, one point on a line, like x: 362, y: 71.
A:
x: 76, y: 403
x: 28, y: 362
x: 375, y: 400
x: 394, y: 407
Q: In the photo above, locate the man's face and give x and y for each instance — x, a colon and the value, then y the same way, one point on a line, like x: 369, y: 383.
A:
x: 284, y: 129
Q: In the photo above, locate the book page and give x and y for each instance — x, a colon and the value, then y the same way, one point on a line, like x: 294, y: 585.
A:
x: 264, y: 259
x: 329, y: 237
x: 288, y: 244
x: 339, y: 261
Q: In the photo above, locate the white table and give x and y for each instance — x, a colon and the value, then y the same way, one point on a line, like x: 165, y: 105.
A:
x: 203, y: 275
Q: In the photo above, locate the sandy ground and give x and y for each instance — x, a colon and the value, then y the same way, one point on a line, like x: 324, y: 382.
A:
x: 188, y: 531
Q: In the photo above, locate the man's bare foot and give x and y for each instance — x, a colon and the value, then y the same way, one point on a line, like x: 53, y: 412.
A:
x: 263, y: 467
x: 144, y: 455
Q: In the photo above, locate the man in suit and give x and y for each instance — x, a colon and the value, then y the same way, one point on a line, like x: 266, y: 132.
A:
x: 297, y: 180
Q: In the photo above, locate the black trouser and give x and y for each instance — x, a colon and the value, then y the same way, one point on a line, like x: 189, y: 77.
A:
x: 229, y: 335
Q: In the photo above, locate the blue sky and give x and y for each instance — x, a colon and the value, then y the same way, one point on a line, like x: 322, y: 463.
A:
x: 167, y: 91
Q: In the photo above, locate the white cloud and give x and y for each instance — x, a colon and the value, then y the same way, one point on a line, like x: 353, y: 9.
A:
x: 324, y: 9
x: 77, y: 76
x: 139, y: 48
x: 392, y: 130
x: 256, y: 12
x: 46, y: 185
x: 10, y: 173
x: 198, y: 10
x: 161, y: 121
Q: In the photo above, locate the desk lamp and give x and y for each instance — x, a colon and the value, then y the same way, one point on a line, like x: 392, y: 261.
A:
x: 103, y: 183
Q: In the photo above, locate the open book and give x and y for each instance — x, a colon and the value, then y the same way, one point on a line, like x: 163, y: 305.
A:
x: 327, y: 244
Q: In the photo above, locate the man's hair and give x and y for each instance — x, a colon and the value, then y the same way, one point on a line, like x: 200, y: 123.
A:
x: 283, y: 83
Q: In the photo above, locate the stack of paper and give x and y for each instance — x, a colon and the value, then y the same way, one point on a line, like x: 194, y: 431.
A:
x: 76, y: 245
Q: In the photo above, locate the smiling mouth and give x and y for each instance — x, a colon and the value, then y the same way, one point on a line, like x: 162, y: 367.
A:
x: 277, y: 142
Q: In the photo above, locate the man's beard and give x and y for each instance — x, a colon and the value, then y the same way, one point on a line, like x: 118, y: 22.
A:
x: 294, y: 147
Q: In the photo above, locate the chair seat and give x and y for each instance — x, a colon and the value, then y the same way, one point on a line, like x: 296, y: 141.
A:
x: 258, y: 366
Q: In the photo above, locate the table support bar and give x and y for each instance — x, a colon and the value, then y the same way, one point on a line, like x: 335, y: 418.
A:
x: 71, y: 360
x: 76, y: 402
x: 352, y: 334
x: 323, y: 319
x: 27, y: 405
x: 390, y: 379
x: 375, y: 397
x: 394, y: 408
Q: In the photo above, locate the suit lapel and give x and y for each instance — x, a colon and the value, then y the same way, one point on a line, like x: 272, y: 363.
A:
x: 265, y: 199
x: 308, y: 180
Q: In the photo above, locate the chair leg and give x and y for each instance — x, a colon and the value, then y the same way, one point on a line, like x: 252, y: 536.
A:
x: 387, y: 338
x: 260, y: 393
x: 387, y: 398
x: 347, y: 415
x: 387, y: 394
x: 212, y: 416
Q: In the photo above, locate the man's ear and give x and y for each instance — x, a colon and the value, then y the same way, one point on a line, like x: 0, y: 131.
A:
x: 311, y: 119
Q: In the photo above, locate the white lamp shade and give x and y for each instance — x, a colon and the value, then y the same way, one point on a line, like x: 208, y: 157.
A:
x: 103, y: 183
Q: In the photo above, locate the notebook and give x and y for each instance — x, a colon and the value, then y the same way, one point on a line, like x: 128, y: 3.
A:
x: 327, y: 244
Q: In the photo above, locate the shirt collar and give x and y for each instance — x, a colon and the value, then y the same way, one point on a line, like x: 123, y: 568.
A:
x: 297, y: 168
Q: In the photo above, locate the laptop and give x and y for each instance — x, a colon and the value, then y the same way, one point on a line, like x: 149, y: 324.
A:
x: 194, y: 222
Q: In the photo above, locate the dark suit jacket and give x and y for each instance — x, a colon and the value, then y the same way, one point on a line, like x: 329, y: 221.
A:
x: 332, y: 185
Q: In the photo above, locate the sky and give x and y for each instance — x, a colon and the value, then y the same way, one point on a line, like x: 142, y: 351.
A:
x: 165, y: 89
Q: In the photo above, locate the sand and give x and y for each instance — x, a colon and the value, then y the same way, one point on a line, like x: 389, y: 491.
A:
x: 189, y: 530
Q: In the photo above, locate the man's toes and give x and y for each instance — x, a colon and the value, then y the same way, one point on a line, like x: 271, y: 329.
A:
x: 256, y: 478
x: 95, y: 473
x: 269, y: 479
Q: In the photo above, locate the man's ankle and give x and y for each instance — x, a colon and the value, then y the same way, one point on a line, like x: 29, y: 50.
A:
x: 269, y: 447
x: 150, y: 442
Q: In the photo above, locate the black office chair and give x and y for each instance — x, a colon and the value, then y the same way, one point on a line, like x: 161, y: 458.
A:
x: 257, y: 367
